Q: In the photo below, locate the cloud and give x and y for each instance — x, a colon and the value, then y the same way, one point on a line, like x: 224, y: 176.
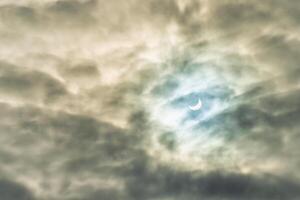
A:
x: 12, y: 191
x: 87, y: 148
x: 29, y: 86
x: 162, y: 183
x: 94, y: 100
x: 65, y: 13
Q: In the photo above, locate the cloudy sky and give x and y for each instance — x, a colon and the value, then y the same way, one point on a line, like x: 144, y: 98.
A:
x: 95, y: 99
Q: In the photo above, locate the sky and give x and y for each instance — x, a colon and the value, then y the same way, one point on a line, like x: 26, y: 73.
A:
x: 95, y: 100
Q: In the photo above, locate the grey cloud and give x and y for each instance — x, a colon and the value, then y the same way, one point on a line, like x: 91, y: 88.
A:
x: 14, y: 191
x: 65, y: 13
x: 279, y: 51
x: 166, y: 87
x: 81, y: 70
x: 30, y: 86
x: 91, y: 14
x: 84, y: 74
x: 163, y: 183
x: 249, y: 15
x: 76, y: 146
x: 72, y: 12
x: 71, y: 130
x: 18, y: 15
x: 104, y: 194
x: 71, y: 7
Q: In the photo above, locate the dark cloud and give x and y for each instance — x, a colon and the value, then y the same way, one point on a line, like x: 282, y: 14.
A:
x: 249, y: 16
x: 72, y: 13
x: 18, y: 15
x: 80, y: 145
x: 105, y: 194
x: 162, y: 183
x: 81, y: 70
x: 280, y: 51
x: 30, y: 86
x: 14, y: 191
x: 65, y: 13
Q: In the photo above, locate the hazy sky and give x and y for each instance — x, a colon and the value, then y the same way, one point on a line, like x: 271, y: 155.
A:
x: 95, y: 96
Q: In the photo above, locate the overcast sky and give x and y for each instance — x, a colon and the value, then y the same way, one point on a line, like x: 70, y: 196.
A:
x: 95, y: 99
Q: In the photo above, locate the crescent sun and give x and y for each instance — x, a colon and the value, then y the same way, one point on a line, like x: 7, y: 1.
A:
x: 196, y: 107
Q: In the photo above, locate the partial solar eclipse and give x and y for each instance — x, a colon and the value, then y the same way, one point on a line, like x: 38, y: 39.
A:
x: 196, y: 107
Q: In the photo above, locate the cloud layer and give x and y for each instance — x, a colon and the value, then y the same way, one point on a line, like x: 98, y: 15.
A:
x: 94, y: 100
